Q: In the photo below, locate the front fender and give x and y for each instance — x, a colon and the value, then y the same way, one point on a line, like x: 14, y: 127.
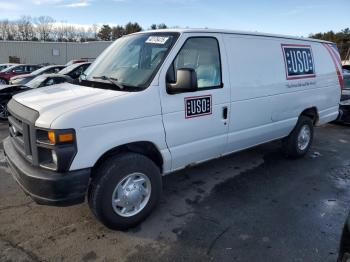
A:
x: 94, y: 141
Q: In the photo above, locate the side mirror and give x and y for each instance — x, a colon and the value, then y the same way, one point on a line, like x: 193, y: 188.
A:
x: 186, y: 81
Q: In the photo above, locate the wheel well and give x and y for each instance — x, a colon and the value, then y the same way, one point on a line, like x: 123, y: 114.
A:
x: 312, y: 113
x: 145, y: 148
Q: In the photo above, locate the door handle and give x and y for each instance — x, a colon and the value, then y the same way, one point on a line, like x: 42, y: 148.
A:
x: 224, y: 112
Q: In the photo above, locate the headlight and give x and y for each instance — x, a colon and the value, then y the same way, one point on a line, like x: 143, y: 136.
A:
x: 56, y: 148
x: 16, y: 81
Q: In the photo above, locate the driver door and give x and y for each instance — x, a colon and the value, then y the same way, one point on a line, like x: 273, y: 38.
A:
x: 196, y: 123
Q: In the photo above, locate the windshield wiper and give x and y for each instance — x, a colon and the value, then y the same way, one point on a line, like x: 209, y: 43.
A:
x: 112, y: 80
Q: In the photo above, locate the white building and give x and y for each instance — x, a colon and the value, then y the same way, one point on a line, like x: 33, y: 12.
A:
x: 49, y: 52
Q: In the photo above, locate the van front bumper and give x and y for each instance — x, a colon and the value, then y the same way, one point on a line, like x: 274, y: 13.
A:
x: 44, y: 186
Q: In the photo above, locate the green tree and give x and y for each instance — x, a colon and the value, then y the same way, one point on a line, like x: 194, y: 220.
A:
x: 117, y: 32
x: 162, y: 26
x: 342, y: 39
x: 132, y: 28
x: 105, y: 33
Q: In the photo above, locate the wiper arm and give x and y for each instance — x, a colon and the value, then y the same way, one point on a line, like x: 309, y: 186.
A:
x: 112, y: 80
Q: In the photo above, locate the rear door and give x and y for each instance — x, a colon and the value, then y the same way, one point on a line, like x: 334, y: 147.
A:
x: 196, y: 123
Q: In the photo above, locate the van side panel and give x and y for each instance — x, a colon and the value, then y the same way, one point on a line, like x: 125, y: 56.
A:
x: 265, y: 105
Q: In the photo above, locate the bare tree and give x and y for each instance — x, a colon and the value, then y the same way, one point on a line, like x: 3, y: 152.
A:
x: 25, y: 28
x: 44, y: 25
x: 5, y: 30
x: 71, y: 33
x: 95, y: 28
x: 58, y: 32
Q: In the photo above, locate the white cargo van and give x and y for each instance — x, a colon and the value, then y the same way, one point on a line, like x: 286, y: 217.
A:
x: 158, y: 101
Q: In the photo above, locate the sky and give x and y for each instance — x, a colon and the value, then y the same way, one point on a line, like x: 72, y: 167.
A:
x: 290, y: 17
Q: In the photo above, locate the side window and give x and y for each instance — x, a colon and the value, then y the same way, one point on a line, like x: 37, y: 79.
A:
x: 50, y: 82
x: 77, y: 72
x: 85, y: 67
x: 56, y: 69
x: 201, y: 54
x: 31, y: 68
x: 50, y: 70
x: 18, y: 69
x: 59, y: 80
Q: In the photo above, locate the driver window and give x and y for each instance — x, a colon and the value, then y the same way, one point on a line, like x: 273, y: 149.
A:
x: 201, y: 54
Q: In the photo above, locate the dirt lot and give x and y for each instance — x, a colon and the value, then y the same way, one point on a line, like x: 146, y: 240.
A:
x: 251, y: 206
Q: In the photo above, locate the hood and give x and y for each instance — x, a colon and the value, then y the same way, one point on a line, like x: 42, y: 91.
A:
x: 4, y: 73
x: 21, y: 76
x: 53, y: 101
x: 6, y: 87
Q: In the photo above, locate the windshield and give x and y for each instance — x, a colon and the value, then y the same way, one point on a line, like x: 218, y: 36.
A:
x: 35, y: 83
x: 41, y: 70
x: 9, y: 68
x: 69, y: 69
x: 132, y: 60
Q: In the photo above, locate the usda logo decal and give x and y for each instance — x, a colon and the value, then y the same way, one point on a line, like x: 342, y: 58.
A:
x: 299, y: 61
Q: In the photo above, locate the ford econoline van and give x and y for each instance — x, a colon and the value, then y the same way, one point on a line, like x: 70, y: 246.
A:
x: 158, y: 101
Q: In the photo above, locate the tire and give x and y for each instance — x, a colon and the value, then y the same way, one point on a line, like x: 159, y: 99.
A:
x: 297, y: 144
x: 111, y: 176
x: 3, y: 82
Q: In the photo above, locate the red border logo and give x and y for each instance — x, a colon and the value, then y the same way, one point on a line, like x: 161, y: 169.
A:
x: 299, y: 75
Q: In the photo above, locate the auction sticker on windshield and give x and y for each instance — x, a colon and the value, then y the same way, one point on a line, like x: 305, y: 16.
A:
x: 160, y: 40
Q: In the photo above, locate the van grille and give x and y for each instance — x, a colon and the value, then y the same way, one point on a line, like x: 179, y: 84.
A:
x: 22, y: 130
x: 20, y: 134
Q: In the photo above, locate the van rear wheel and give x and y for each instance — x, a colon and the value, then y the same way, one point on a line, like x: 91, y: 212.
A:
x: 298, y: 143
x: 125, y: 190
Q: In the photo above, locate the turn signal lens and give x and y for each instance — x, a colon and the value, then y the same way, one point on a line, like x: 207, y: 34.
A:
x: 60, y: 136
x: 52, y: 137
x: 65, y: 137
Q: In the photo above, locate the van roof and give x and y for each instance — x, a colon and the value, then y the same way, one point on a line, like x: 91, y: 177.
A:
x: 223, y: 31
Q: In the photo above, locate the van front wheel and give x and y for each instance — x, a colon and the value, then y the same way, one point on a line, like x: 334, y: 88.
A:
x: 125, y: 190
x: 298, y: 143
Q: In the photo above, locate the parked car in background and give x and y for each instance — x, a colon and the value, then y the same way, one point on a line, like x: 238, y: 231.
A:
x: 347, y: 67
x: 4, y: 66
x: 16, y: 70
x: 344, y: 106
x: 7, y: 91
x: 344, y: 250
x: 23, y: 79
x: 346, y: 76
x: 76, y: 61
x: 75, y: 70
